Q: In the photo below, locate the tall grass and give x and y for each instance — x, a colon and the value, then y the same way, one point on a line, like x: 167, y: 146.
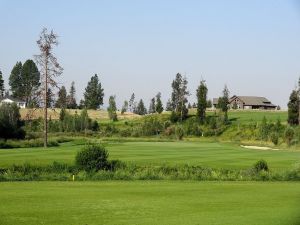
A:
x: 122, y: 171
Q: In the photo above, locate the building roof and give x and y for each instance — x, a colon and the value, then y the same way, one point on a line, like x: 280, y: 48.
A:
x: 249, y: 101
x: 254, y: 101
x: 11, y: 98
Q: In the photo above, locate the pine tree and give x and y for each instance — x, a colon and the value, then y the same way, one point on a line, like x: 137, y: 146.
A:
x: 209, y: 103
x: 30, y: 80
x: 152, y: 106
x: 159, y: 106
x: 293, y: 108
x: 202, y: 101
x: 132, y: 103
x: 15, y: 81
x: 94, y: 93
x: 24, y: 81
x: 223, y: 103
x: 50, y: 69
x: 50, y: 100
x: 112, y: 108
x: 179, y: 96
x: 141, y: 109
x: 169, y: 106
x: 1, y: 85
x: 124, y: 107
x: 71, y: 98
x: 62, y: 98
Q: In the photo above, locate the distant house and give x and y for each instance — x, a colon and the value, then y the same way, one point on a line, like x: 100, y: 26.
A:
x: 9, y: 99
x: 248, y: 102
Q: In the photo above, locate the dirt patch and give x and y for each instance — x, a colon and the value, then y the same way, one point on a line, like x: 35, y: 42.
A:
x: 258, y: 147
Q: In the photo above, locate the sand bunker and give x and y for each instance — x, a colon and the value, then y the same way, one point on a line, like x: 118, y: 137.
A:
x: 258, y: 147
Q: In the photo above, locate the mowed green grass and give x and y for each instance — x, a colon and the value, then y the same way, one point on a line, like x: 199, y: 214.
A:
x: 248, y: 116
x: 209, y: 154
x: 155, y: 202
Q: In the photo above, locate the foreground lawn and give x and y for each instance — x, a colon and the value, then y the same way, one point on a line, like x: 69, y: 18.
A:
x: 156, y: 202
x: 218, y: 155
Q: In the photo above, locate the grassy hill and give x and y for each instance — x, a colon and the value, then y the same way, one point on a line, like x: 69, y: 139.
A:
x: 54, y: 114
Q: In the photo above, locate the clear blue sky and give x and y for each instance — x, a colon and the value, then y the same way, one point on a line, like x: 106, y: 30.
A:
x: 138, y: 46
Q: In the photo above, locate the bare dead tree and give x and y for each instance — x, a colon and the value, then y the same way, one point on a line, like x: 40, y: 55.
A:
x: 49, y: 69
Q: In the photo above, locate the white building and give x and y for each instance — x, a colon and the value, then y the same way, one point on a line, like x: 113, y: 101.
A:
x: 9, y: 99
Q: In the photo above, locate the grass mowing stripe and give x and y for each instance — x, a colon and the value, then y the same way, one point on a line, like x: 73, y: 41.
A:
x: 166, y: 202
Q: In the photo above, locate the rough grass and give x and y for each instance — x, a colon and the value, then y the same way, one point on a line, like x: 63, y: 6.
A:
x: 54, y: 114
x: 208, y: 154
x: 155, y: 202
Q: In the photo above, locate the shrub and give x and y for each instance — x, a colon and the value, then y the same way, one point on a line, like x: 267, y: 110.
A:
x: 275, y: 138
x: 261, y: 165
x: 289, y: 135
x: 93, y: 157
x: 10, y: 122
x: 179, y: 132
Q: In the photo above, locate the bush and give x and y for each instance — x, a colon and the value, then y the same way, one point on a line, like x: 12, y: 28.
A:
x: 10, y: 122
x: 179, y: 132
x: 93, y: 157
x: 261, y: 165
x: 275, y: 138
x: 289, y: 135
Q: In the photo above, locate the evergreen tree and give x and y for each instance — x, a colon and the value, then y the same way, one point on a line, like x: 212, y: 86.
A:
x: 293, y: 108
x: 50, y: 100
x: 94, y: 93
x: 159, y: 106
x: 124, y: 107
x: 112, y: 108
x: 209, y: 103
x: 62, y: 98
x: 132, y: 103
x: 1, y: 85
x: 194, y: 105
x: 71, y: 98
x: 152, y: 107
x: 81, y: 104
x: 30, y: 80
x: 223, y: 103
x: 202, y: 101
x: 189, y: 105
x: 15, y: 81
x: 179, y: 96
x: 24, y: 81
x: 169, y: 106
x: 141, y: 109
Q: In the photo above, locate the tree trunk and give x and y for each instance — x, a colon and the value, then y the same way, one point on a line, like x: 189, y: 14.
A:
x: 45, y: 106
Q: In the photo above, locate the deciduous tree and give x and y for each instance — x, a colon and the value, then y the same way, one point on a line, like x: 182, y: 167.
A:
x: 112, y: 108
x: 179, y: 96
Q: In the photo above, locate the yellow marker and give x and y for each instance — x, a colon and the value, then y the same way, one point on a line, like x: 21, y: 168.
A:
x: 73, y: 177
